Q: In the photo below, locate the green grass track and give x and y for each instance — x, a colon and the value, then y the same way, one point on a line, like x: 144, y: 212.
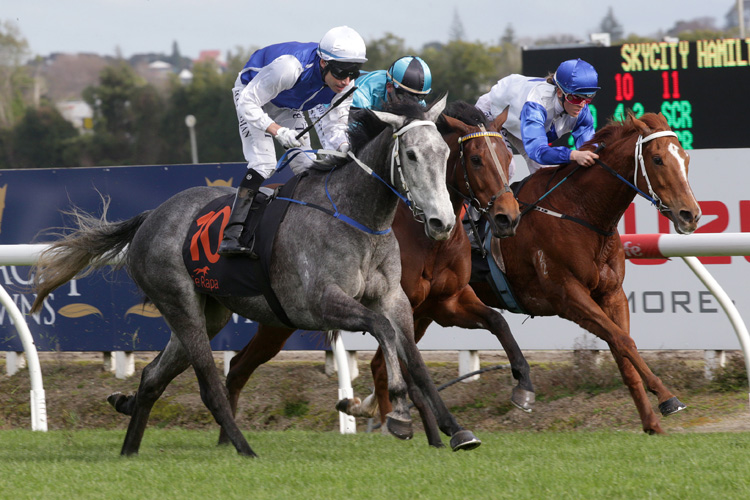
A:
x: 180, y: 464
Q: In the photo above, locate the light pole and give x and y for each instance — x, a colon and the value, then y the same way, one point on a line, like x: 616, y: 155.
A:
x: 190, y: 122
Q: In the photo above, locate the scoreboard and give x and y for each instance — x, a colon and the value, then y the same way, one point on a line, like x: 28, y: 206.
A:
x: 702, y: 88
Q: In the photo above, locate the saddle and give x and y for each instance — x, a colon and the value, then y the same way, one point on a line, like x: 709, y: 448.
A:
x: 237, y: 275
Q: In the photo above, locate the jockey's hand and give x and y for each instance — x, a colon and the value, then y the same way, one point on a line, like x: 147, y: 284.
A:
x: 287, y: 139
x: 344, y: 148
x: 583, y: 158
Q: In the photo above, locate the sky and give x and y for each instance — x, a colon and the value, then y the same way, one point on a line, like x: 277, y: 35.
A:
x: 128, y: 27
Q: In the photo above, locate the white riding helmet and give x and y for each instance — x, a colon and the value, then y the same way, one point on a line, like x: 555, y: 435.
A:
x: 342, y: 44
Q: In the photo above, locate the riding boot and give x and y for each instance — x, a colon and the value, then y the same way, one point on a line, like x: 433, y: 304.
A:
x: 230, y: 243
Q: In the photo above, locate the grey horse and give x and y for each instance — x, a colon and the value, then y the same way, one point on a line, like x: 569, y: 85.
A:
x: 327, y: 274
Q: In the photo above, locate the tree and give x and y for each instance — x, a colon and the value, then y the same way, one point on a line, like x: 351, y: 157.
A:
x: 457, y: 27
x: 383, y: 51
x: 40, y: 139
x: 208, y: 97
x: 612, y: 26
x: 127, y: 114
x: 15, y: 81
x: 509, y: 36
x: 465, y: 70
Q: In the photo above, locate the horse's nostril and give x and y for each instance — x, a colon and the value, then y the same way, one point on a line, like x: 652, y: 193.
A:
x: 502, y: 221
x: 688, y: 216
x: 436, y: 225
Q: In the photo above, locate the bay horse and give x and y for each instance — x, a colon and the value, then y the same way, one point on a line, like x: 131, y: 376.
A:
x: 567, y: 259
x: 327, y: 274
x: 435, y: 274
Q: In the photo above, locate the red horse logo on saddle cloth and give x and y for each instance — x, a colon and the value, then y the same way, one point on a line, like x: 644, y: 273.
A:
x: 235, y: 275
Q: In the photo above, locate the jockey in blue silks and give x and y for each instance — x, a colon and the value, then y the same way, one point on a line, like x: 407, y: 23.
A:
x: 408, y: 76
x: 271, y: 92
x: 544, y: 109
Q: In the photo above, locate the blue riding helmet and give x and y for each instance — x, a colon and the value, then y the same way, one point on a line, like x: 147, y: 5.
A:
x: 411, y: 74
x: 577, y: 77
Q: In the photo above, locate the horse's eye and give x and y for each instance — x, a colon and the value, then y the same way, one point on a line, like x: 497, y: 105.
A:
x: 411, y: 155
x: 657, y: 160
x: 476, y: 160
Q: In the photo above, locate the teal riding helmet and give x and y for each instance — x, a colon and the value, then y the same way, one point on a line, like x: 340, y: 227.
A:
x: 412, y: 75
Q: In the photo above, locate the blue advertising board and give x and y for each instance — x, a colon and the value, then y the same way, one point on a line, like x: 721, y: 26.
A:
x: 105, y: 311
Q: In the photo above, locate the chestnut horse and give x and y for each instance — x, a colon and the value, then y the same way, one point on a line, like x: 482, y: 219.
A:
x: 567, y: 259
x: 435, y: 275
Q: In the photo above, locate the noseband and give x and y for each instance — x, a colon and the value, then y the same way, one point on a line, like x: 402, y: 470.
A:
x: 472, y: 198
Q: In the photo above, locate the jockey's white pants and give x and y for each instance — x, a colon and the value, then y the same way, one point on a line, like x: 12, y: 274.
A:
x: 258, y: 145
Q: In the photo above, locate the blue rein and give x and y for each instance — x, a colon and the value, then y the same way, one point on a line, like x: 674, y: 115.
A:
x: 335, y: 212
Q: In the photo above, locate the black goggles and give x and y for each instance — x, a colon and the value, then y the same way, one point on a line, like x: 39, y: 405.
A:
x: 342, y: 71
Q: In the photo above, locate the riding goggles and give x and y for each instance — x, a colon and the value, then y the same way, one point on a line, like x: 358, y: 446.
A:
x: 579, y: 99
x: 342, y: 71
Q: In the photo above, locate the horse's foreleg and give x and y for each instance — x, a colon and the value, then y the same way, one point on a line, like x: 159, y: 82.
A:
x: 155, y: 377
x: 581, y: 309
x: 266, y: 344
x: 617, y: 309
x: 344, y: 313
x: 402, y: 319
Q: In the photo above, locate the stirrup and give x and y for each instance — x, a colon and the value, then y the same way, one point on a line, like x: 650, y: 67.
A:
x: 234, y: 247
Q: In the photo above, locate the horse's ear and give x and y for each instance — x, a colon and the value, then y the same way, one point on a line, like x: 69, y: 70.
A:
x: 645, y: 130
x: 394, y: 121
x: 456, y: 125
x: 497, y: 123
x: 437, y: 107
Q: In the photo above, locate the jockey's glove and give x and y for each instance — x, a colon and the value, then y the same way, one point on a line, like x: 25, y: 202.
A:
x: 287, y: 139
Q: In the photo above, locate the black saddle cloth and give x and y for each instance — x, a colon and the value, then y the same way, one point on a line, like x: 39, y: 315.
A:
x: 236, y: 275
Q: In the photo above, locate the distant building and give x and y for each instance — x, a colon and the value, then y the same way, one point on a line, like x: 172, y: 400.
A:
x: 212, y: 56
x: 186, y: 76
x: 77, y: 112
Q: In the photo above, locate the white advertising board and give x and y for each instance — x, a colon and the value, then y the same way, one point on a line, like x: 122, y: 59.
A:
x: 669, y: 306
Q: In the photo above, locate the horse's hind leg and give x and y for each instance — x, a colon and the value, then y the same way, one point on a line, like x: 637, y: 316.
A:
x: 155, y: 377
x: 193, y: 318
x: 266, y: 343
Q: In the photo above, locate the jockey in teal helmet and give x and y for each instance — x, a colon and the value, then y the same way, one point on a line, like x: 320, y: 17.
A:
x: 408, y: 76
x: 544, y: 109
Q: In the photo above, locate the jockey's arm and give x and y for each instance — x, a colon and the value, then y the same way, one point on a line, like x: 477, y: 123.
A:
x: 535, y: 139
x: 333, y: 126
x: 280, y: 75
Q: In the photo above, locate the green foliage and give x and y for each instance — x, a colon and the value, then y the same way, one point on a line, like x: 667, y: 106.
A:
x: 383, y: 51
x: 732, y: 377
x: 40, y: 139
x: 15, y: 80
x: 466, y: 70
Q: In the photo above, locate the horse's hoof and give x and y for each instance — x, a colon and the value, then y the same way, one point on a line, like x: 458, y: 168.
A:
x: 343, y: 405
x: 671, y: 405
x: 112, y: 399
x: 523, y: 399
x: 399, y: 428
x: 464, y: 440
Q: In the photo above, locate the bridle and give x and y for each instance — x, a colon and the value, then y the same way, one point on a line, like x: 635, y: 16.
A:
x: 472, y: 198
x: 397, y: 168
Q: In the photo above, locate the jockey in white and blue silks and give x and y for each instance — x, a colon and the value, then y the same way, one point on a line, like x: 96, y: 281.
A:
x: 408, y: 76
x: 271, y: 92
x: 544, y: 109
